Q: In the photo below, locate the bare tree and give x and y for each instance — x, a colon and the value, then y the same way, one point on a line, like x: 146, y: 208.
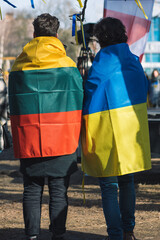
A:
x: 16, y: 37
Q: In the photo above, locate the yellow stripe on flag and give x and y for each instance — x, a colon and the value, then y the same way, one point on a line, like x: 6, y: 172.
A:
x: 43, y: 53
x: 116, y: 142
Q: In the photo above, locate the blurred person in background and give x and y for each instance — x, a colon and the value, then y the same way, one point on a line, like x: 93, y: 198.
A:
x: 3, y: 110
x: 154, y: 89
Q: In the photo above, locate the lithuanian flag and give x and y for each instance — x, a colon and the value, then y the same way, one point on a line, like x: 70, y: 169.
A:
x: 45, y: 95
x: 115, y: 136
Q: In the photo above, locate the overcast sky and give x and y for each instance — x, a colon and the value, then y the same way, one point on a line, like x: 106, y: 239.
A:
x: 94, y: 9
x: 92, y: 5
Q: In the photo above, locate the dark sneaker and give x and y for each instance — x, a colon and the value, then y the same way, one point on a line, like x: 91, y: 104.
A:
x: 129, y: 236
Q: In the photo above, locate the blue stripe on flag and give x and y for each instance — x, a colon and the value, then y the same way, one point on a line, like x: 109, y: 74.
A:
x: 115, y: 80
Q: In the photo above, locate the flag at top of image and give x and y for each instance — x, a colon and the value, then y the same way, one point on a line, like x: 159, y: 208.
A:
x: 137, y: 25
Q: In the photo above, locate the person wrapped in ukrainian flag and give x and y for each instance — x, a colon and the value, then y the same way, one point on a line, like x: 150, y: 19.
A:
x: 115, y: 135
x: 45, y: 95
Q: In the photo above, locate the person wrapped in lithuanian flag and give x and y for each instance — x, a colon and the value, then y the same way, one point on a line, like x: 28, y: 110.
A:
x: 45, y: 92
x: 45, y: 96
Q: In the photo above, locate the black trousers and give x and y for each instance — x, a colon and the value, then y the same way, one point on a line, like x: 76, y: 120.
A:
x: 58, y: 204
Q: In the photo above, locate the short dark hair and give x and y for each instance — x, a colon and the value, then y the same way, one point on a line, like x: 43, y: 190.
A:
x: 110, y: 31
x: 46, y: 25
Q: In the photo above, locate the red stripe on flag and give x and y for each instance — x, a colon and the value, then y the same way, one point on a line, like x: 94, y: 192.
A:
x: 47, y: 134
x: 136, y: 27
x: 140, y: 57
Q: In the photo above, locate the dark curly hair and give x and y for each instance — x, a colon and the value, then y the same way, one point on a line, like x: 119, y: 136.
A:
x: 110, y: 31
x: 46, y: 25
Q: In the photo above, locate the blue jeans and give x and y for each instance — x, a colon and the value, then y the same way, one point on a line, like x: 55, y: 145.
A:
x: 58, y: 204
x: 119, y: 215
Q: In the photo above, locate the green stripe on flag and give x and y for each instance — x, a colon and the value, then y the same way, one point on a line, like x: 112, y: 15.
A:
x: 45, y: 91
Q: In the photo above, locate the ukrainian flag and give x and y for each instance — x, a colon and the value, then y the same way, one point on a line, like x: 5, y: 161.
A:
x: 115, y: 136
x: 45, y: 95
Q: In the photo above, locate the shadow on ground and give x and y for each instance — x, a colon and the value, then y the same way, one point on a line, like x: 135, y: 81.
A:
x: 150, y: 176
x: 18, y: 234
x: 7, y: 154
x: 146, y: 177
